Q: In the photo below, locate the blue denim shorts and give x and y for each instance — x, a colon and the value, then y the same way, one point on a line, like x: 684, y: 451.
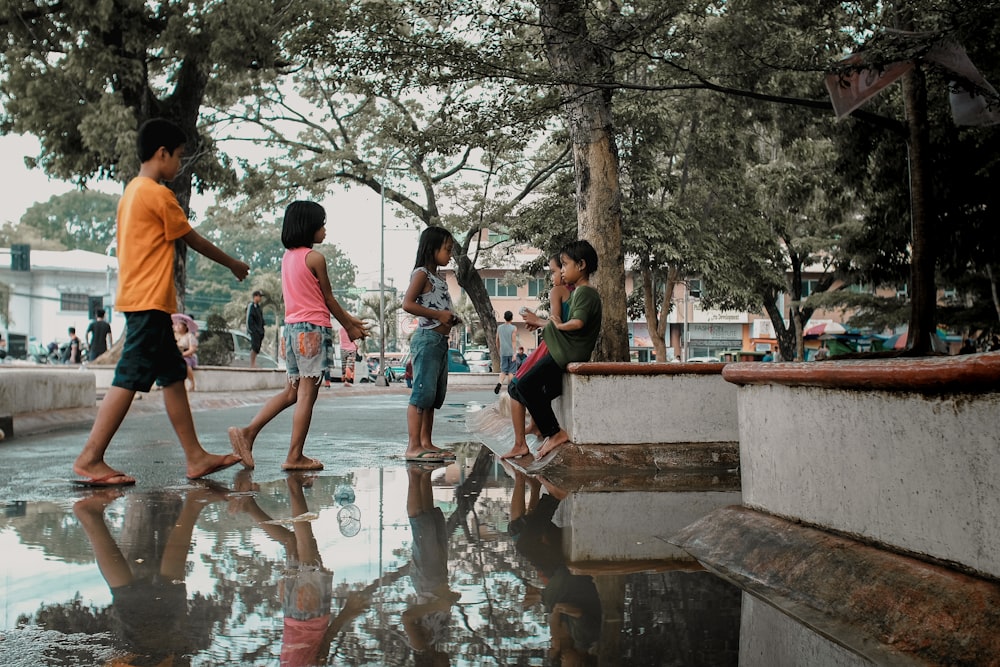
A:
x: 308, y: 350
x: 429, y: 352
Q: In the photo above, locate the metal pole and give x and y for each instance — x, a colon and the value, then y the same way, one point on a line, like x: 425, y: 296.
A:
x: 381, y: 380
x: 684, y: 332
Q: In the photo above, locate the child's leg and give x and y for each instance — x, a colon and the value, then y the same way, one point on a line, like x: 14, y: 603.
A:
x: 536, y: 390
x: 427, y: 430
x: 308, y: 390
x: 414, y: 420
x: 306, y: 549
x: 173, y: 567
x: 90, y: 463
x: 190, y: 377
x: 517, y: 414
x: 199, y: 462
x: 89, y: 512
x: 242, y: 439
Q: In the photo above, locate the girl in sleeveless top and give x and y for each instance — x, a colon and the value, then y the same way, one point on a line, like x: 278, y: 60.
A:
x: 427, y: 297
x: 308, y: 338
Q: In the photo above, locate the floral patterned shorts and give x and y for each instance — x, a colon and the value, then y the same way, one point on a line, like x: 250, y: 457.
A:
x: 308, y: 350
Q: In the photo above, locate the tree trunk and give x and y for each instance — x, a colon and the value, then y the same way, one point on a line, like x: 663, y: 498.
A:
x: 574, y: 56
x: 923, y: 294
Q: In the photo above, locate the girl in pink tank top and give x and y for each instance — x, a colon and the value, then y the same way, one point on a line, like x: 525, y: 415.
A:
x: 308, y: 339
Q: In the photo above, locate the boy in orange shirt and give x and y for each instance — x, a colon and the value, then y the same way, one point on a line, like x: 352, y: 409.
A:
x: 150, y: 220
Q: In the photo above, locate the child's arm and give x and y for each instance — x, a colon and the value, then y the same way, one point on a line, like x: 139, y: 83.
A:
x: 418, y: 283
x: 355, y: 328
x: 203, y: 246
x: 557, y: 296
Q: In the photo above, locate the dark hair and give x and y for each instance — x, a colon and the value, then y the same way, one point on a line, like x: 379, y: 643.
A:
x: 99, y: 312
x: 431, y: 239
x: 508, y: 316
x: 71, y: 330
x: 556, y: 257
x: 581, y: 251
x: 157, y: 132
x: 257, y: 292
x: 302, y: 220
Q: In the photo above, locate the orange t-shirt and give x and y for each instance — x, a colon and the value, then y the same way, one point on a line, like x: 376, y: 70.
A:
x: 150, y: 219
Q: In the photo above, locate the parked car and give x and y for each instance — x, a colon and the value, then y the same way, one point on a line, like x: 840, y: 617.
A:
x: 238, y: 344
x: 479, y: 360
x: 707, y: 360
x: 457, y: 362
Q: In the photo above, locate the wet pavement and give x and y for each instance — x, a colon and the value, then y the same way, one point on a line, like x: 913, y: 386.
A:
x: 371, y: 561
x: 368, y: 562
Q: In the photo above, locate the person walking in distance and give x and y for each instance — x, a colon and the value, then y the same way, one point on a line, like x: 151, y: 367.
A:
x: 309, y: 302
x: 255, y: 326
x: 150, y: 220
x: 99, y: 337
x: 506, y: 343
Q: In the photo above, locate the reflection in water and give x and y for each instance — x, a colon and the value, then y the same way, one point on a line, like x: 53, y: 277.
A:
x: 346, y: 567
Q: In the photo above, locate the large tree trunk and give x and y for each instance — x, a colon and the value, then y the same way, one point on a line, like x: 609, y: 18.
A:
x: 574, y: 56
x: 923, y: 294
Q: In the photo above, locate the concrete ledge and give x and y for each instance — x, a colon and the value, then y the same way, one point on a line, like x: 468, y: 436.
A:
x: 25, y: 391
x: 917, y: 470
x: 213, y: 378
x: 626, y: 403
x: 917, y: 612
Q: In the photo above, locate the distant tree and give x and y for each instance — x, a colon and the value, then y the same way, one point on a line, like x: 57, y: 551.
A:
x: 83, y: 220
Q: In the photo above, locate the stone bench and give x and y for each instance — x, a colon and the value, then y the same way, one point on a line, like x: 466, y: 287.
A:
x: 900, y: 452
x: 626, y: 403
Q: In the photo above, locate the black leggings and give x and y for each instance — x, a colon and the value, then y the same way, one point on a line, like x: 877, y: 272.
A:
x: 536, y: 389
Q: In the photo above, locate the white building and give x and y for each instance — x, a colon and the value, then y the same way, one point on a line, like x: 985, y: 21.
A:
x: 56, y: 292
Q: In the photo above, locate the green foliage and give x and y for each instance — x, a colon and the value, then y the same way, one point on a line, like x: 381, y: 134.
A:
x: 83, y: 220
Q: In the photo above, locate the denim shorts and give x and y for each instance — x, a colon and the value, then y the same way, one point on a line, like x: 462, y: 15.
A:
x: 507, y: 364
x: 150, y: 353
x: 308, y: 350
x: 429, y: 352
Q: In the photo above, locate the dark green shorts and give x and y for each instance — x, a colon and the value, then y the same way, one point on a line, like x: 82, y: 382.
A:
x: 150, y: 352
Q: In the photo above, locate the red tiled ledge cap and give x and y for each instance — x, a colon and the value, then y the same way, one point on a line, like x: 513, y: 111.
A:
x: 965, y: 373
x: 631, y: 369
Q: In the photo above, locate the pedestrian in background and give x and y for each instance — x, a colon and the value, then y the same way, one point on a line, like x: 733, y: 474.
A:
x: 72, y: 353
x: 348, y: 352
x: 255, y: 326
x: 506, y: 342
x: 427, y: 297
x: 309, y: 302
x: 98, y: 336
x: 150, y: 220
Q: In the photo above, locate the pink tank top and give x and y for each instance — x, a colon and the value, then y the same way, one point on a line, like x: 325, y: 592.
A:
x: 303, y: 297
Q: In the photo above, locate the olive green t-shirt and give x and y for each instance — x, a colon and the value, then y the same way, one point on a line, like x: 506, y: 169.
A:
x: 567, y: 347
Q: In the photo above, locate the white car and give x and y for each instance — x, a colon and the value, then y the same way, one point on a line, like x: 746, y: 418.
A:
x: 479, y: 361
x: 705, y: 360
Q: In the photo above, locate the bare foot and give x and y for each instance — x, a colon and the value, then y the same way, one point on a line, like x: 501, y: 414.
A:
x: 553, y: 442
x: 96, y: 501
x: 531, y: 429
x: 520, y: 450
x: 443, y: 453
x: 210, y: 463
x: 242, y: 445
x: 303, y: 463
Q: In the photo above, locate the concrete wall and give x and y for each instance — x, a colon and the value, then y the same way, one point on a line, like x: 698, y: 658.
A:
x: 28, y: 391
x: 623, y: 403
x: 213, y: 378
x: 904, y: 453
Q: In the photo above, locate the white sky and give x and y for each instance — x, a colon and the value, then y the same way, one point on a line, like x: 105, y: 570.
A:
x: 353, y: 217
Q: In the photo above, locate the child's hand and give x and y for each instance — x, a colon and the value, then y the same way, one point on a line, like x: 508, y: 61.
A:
x: 240, y: 270
x: 450, y: 318
x: 532, y: 320
x: 357, y: 330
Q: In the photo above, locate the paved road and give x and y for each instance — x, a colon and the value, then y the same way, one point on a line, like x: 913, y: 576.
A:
x: 351, y: 428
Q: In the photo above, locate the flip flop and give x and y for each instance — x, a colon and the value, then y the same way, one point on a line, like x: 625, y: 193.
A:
x: 426, y: 456
x: 214, y: 469
x: 313, y: 464
x: 443, y: 453
x: 104, y: 482
x: 241, y: 447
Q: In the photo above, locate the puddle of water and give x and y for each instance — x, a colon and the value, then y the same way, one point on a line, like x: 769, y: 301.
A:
x: 377, y: 566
